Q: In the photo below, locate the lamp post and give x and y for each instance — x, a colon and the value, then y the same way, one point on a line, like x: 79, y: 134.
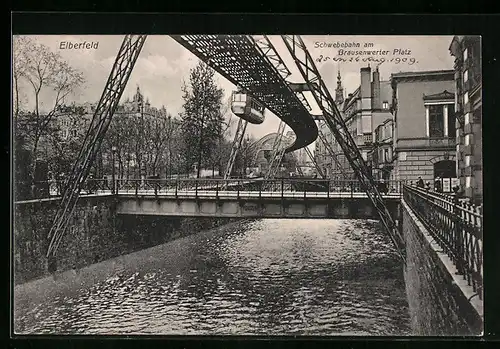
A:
x: 113, y: 151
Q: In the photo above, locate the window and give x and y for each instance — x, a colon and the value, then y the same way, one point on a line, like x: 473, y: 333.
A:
x: 385, y: 105
x: 436, y: 121
x: 465, y: 55
x: 386, y: 155
x: 467, y: 118
x: 466, y: 97
x: 468, y: 181
x: 466, y: 76
x: 467, y: 160
x: 468, y: 139
x: 452, y: 131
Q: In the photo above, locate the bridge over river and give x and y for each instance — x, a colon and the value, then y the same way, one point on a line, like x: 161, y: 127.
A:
x: 245, y: 198
x: 443, y: 272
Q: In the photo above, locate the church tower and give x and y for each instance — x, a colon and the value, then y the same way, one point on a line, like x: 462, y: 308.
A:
x: 339, y: 92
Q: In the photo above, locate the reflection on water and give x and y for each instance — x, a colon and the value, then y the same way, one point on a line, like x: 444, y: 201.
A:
x: 268, y: 277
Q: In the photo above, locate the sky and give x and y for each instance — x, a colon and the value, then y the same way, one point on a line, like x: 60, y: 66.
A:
x: 164, y: 64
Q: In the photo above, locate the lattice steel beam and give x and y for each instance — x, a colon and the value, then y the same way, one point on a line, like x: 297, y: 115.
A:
x: 240, y: 60
x: 124, y: 63
x: 267, y: 49
x: 337, y: 125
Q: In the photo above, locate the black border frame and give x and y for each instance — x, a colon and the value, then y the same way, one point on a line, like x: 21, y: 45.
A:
x: 218, y: 23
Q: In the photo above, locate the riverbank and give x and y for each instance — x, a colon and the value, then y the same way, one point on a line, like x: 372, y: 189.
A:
x: 70, y: 281
x: 95, y: 234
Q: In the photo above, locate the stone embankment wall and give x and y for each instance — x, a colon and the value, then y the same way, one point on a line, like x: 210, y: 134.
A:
x: 440, y: 303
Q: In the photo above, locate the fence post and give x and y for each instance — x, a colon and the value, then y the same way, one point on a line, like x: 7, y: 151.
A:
x: 136, y: 187
x: 282, y: 187
x: 352, y: 189
x: 176, y: 186
x: 458, y: 238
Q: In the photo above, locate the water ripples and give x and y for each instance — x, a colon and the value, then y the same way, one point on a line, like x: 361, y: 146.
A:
x: 268, y: 277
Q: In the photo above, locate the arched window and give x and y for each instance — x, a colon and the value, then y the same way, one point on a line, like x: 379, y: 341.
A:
x: 445, y: 169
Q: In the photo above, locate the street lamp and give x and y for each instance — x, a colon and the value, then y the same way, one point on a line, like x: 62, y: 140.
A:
x: 113, y: 151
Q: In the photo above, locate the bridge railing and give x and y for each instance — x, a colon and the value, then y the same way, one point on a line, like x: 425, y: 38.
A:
x: 456, y: 226
x: 184, y: 185
x: 54, y: 189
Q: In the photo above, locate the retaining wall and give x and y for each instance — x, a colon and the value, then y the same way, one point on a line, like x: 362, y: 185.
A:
x: 440, y: 302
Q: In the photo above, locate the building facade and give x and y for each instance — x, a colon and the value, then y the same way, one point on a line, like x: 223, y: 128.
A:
x: 468, y: 106
x: 381, y: 155
x: 423, y: 104
x: 363, y: 111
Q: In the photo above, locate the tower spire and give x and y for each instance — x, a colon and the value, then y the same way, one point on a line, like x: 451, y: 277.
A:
x: 339, y: 91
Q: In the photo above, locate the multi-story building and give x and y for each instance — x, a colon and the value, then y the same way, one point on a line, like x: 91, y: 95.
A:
x: 424, y: 126
x: 73, y: 120
x: 468, y: 106
x: 363, y: 110
x: 381, y: 154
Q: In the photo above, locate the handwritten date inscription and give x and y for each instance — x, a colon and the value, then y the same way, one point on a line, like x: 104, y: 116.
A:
x: 365, y: 52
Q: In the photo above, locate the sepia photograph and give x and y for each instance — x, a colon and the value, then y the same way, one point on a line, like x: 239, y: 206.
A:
x: 247, y: 185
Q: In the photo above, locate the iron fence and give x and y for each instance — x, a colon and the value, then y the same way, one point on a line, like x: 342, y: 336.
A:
x: 456, y: 226
x: 197, y: 186
x: 54, y: 189
x: 310, y: 187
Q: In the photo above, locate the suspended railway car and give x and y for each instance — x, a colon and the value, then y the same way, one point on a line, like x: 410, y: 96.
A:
x: 247, y: 108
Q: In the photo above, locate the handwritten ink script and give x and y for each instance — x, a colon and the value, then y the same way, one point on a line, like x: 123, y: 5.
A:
x: 354, y: 52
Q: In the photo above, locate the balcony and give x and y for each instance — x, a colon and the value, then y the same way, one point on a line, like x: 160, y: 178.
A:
x: 410, y: 143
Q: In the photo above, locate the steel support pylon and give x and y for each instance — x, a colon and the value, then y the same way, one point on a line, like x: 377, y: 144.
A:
x: 115, y: 85
x: 277, y: 152
x: 331, y: 152
x: 337, y: 125
x: 235, y: 148
x: 268, y: 50
x: 311, y: 157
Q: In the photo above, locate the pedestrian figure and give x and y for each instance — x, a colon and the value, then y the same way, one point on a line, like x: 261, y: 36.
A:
x: 437, y: 185
x: 382, y: 186
x: 420, y: 182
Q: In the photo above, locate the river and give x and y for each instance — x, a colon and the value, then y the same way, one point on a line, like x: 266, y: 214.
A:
x: 263, y: 277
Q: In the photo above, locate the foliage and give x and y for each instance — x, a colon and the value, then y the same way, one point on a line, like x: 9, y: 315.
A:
x: 37, y: 69
x: 202, y: 118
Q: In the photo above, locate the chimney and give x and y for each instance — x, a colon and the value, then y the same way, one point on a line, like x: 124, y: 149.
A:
x: 365, y: 91
x: 376, y: 102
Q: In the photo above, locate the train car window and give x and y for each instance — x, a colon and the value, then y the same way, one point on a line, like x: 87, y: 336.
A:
x: 239, y: 97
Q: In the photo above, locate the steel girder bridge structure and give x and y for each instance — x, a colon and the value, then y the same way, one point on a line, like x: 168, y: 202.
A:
x: 252, y: 64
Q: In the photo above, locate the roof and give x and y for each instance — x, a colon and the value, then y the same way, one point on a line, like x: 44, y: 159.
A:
x: 423, y: 74
x: 439, y: 96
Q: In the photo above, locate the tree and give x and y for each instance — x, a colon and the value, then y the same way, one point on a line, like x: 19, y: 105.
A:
x: 202, y: 118
x: 37, y: 69
x: 20, y: 63
x: 245, y: 156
